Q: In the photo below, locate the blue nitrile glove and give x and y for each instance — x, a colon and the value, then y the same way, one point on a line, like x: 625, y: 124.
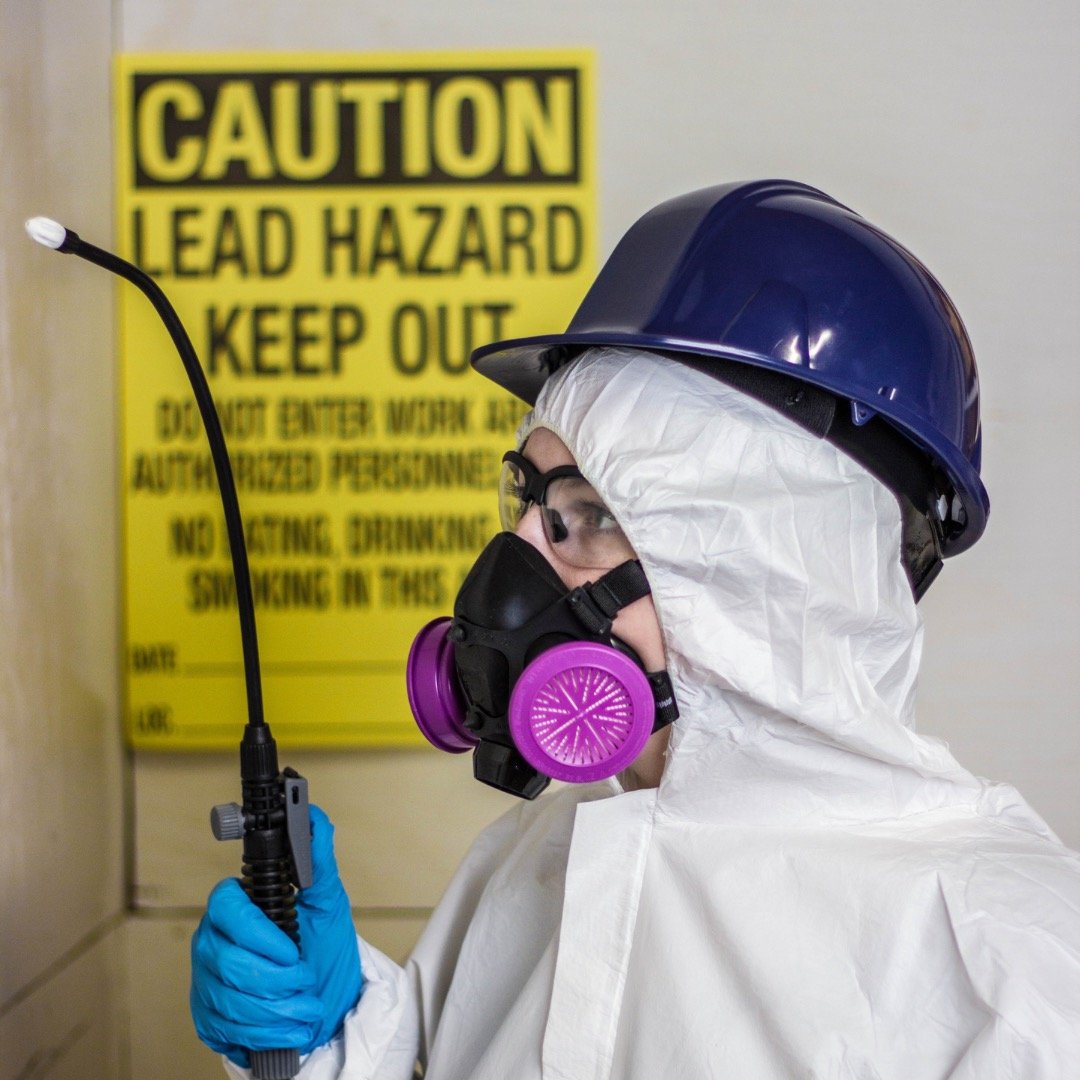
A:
x: 250, y: 990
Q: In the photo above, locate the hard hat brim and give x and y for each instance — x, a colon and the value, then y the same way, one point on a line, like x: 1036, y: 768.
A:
x: 522, y: 366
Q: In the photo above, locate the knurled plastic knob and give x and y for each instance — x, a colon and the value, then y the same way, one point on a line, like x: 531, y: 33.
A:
x: 275, y: 1064
x: 227, y: 821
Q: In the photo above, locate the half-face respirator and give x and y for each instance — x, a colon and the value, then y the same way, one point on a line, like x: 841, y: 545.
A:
x: 527, y: 673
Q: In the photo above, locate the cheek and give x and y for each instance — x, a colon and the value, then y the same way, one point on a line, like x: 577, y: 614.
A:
x: 637, y: 624
x: 639, y: 627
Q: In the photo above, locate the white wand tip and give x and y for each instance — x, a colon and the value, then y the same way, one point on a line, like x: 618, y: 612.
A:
x: 46, y: 231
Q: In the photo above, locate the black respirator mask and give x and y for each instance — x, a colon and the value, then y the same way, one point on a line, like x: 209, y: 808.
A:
x: 527, y: 673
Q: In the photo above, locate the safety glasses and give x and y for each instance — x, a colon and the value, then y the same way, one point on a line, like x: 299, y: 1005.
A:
x: 575, y: 520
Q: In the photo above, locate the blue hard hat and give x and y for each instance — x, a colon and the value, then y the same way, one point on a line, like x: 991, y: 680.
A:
x: 780, y: 276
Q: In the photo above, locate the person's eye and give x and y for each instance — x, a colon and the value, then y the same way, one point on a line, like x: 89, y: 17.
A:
x: 596, y: 516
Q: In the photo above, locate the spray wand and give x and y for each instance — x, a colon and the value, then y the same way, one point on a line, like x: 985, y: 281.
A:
x: 273, y: 817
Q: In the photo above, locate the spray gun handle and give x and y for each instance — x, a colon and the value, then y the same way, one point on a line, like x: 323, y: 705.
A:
x: 275, y: 826
x: 298, y: 826
x: 227, y: 823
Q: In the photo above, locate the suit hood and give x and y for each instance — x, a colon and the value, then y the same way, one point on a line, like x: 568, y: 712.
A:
x: 791, y: 633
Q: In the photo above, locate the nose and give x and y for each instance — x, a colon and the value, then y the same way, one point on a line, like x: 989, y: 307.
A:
x: 531, y: 528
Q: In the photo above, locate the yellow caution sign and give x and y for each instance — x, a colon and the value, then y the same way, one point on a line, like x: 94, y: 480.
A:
x: 338, y: 233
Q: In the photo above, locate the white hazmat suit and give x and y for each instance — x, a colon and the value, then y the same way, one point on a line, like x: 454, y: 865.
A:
x: 814, y: 890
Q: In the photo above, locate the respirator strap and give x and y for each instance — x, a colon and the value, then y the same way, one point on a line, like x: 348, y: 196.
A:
x: 596, y: 606
x: 597, y: 603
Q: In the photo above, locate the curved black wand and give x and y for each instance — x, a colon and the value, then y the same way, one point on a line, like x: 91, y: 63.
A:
x: 273, y: 819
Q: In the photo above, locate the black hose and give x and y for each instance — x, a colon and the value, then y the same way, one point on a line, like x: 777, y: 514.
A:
x: 73, y: 244
x: 269, y: 863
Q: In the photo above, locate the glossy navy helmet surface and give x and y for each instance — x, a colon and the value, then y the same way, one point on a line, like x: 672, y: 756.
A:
x: 779, y: 275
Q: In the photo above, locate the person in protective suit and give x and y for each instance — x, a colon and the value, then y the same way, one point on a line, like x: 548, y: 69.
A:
x: 747, y: 457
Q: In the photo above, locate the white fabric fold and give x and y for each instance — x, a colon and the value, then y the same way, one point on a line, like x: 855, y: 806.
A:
x: 815, y: 890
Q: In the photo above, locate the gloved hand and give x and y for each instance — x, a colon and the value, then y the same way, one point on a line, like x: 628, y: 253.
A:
x: 250, y: 989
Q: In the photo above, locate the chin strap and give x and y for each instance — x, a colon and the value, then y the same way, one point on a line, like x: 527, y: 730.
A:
x: 596, y: 605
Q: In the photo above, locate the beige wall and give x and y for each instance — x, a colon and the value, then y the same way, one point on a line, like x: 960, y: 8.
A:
x: 948, y: 124
x: 62, y: 786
